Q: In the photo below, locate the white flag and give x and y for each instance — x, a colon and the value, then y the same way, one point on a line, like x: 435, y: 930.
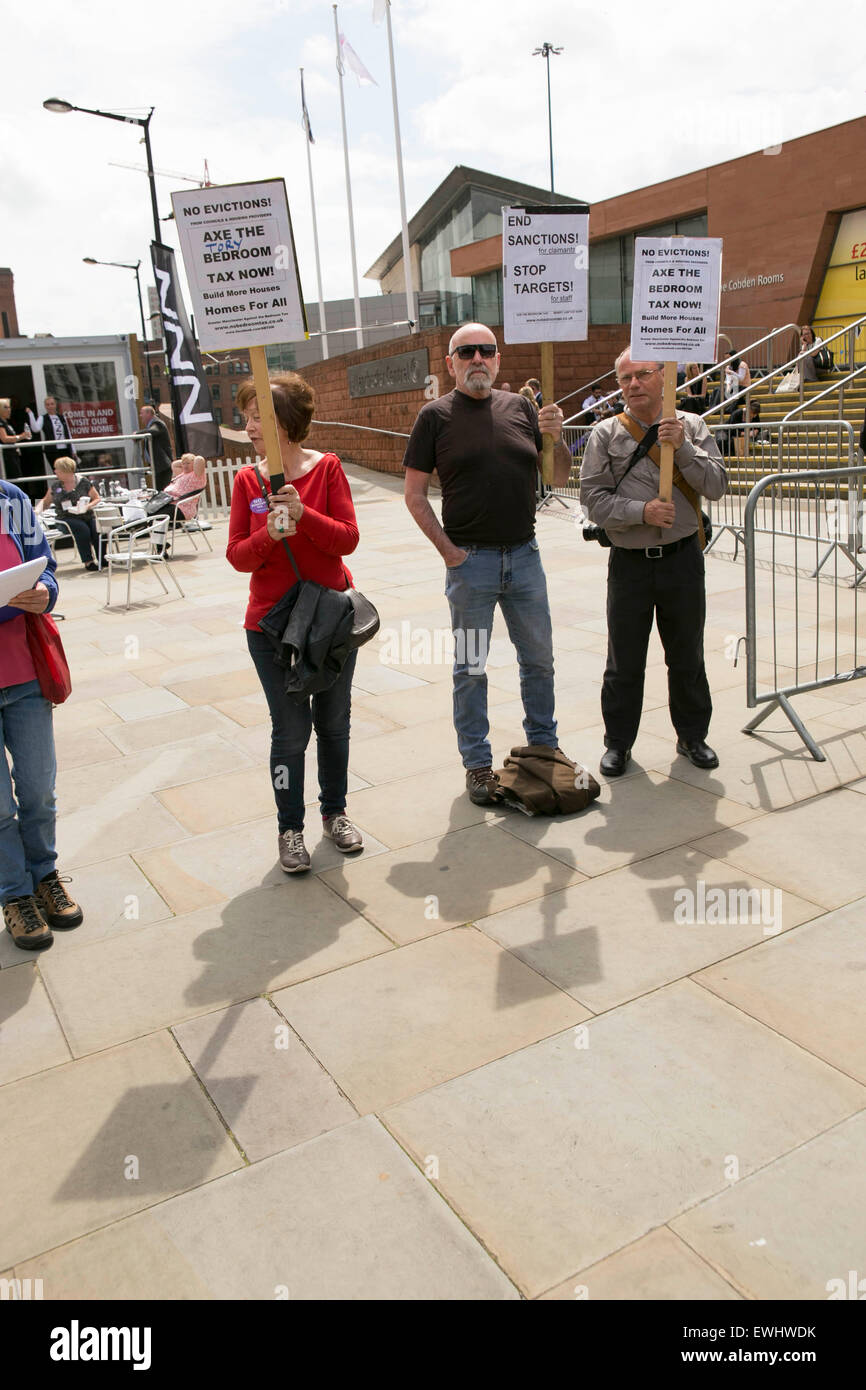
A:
x: 379, y: 10
x: 349, y: 57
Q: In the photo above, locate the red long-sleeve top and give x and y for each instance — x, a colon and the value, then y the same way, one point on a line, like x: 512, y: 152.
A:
x: 326, y: 531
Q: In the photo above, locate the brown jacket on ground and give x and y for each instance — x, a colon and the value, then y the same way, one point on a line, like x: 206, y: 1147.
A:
x: 544, y: 782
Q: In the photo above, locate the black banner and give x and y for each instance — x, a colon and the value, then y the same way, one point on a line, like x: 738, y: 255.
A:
x: 195, y: 428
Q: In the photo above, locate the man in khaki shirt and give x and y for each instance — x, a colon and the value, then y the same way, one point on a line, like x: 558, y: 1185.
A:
x: 656, y: 567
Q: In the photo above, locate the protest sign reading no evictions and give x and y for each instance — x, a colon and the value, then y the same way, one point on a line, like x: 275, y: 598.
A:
x: 675, y: 304
x: 239, y: 254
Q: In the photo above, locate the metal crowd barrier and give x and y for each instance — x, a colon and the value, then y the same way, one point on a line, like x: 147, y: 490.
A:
x: 802, y: 629
x: 142, y: 467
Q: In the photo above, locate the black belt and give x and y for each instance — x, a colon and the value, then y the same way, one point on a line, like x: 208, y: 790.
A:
x: 660, y: 552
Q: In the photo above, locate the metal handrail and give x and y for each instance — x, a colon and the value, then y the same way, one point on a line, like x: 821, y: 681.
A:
x: 828, y: 391
x: 786, y: 366
x: 587, y: 386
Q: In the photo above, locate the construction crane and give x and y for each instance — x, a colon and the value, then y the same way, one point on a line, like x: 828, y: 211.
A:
x: 204, y: 182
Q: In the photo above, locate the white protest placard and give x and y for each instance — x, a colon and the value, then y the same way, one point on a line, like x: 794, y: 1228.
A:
x: 545, y: 277
x: 239, y: 255
x: 675, y: 304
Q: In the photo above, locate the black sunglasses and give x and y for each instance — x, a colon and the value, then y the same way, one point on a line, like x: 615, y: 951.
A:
x: 466, y: 351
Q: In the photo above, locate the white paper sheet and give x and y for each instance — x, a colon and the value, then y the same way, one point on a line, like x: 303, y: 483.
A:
x: 19, y: 579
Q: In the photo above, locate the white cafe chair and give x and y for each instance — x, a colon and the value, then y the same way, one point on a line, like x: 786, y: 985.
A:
x: 137, y: 543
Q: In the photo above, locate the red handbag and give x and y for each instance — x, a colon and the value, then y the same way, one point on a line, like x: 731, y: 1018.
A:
x: 49, y: 658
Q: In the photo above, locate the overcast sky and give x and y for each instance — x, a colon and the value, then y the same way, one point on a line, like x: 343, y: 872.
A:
x: 638, y: 96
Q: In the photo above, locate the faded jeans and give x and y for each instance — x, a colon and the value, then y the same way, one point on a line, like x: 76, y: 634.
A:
x: 513, y: 577
x: 27, y: 812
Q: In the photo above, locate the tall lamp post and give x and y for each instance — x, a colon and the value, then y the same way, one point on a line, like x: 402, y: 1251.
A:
x: 544, y: 52
x: 124, y: 265
x: 62, y: 108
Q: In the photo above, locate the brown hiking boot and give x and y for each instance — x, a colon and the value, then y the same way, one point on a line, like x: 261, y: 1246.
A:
x: 482, y: 785
x: 26, y: 925
x: 346, y: 836
x: 55, y: 904
x: 293, y: 852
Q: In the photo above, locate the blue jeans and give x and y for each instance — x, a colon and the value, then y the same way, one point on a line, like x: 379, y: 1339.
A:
x: 27, y: 813
x: 292, y: 722
x: 512, y: 577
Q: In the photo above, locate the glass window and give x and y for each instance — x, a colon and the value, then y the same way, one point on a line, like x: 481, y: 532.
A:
x: 487, y: 297
x: 234, y: 389
x: 218, y: 415
x: 87, y: 392
x: 611, y: 267
x: 236, y: 418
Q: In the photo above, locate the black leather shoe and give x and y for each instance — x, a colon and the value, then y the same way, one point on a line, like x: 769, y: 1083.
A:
x: 698, y: 752
x: 613, y: 764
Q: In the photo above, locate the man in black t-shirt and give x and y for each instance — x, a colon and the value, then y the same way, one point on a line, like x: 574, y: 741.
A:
x: 486, y: 447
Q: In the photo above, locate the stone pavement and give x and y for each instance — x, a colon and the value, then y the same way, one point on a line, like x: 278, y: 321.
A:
x: 494, y: 1057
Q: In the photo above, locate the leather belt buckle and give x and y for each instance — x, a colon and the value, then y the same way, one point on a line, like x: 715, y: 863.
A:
x: 654, y: 552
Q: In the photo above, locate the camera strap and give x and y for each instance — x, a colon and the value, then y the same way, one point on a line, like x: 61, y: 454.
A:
x: 643, y: 448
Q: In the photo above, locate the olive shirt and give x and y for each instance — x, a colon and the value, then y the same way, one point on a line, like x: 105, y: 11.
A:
x: 620, y: 513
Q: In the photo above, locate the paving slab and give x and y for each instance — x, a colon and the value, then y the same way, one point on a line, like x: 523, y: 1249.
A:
x: 797, y: 1229
x: 149, y: 771
x: 161, y: 730
x: 139, y: 1103
x: 291, y: 1099
x: 361, y: 1223
x: 809, y: 987
x: 390, y: 1027
x: 408, y: 811
x: 657, y: 1268
x: 814, y: 848
x: 127, y: 986
x: 210, y: 690
x: 82, y: 747
x: 236, y: 797
x: 634, y: 818
x: 121, y: 825
x: 436, y: 884
x: 31, y: 1039
x: 562, y: 1153
x: 213, y: 868
x: 609, y: 939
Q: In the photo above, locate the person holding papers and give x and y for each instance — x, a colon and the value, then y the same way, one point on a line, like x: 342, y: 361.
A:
x: 33, y: 897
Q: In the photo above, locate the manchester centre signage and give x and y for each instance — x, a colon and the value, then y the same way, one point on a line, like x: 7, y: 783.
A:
x: 407, y: 371
x: 239, y: 256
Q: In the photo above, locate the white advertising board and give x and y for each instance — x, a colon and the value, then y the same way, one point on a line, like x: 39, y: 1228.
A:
x: 545, y: 274
x: 239, y: 256
x: 675, y: 303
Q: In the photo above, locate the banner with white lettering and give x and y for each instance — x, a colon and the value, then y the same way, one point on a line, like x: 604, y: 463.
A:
x: 195, y: 429
x: 239, y: 255
x: 675, y: 302
x: 545, y: 273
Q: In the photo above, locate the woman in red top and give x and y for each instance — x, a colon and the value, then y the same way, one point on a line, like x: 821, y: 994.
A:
x: 315, y: 509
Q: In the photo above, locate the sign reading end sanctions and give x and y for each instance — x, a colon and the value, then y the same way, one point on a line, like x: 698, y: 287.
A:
x: 675, y: 305
x: 239, y: 255
x: 545, y: 273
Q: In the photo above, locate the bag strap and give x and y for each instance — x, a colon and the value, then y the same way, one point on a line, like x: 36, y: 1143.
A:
x: 654, y: 454
x: 266, y: 496
x: 645, y: 443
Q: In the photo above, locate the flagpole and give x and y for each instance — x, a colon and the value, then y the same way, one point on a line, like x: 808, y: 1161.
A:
x: 359, y: 334
x: 411, y: 313
x: 322, y: 325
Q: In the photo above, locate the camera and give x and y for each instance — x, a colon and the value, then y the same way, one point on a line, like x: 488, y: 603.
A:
x: 591, y: 532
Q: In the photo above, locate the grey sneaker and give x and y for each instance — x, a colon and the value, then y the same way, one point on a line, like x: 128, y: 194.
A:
x: 346, y: 836
x: 26, y: 925
x: 293, y: 852
x: 483, y: 786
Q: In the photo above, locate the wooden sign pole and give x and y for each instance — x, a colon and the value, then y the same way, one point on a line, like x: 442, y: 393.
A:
x: 547, y: 398
x: 265, y: 402
x: 669, y: 406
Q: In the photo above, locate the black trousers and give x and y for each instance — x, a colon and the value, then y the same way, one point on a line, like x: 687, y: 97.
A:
x: 673, y: 591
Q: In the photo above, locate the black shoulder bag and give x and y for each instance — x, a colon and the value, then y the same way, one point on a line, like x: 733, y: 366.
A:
x: 591, y: 532
x: 365, y: 619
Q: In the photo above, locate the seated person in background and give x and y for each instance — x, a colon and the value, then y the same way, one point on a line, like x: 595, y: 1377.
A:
x: 73, y: 499
x: 694, y: 401
x: 528, y: 392
x: 809, y: 364
x: 187, y: 475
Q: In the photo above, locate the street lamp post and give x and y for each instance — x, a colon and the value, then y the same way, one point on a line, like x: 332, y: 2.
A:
x: 62, y: 108
x: 124, y: 265
x: 545, y: 52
